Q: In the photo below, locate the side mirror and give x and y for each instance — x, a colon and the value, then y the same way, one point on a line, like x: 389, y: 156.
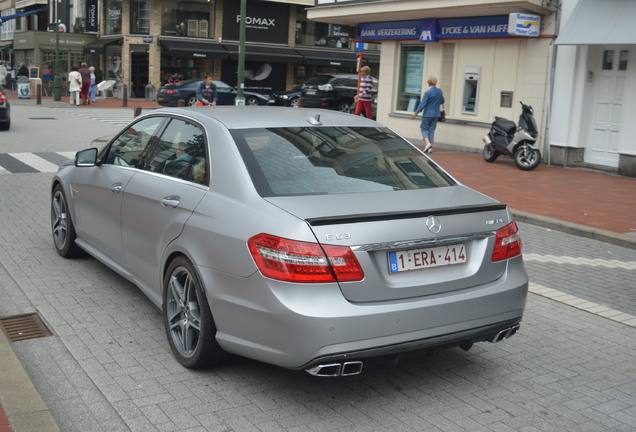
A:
x: 86, y: 158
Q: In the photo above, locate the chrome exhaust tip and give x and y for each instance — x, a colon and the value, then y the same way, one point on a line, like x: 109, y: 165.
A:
x: 336, y: 369
x: 505, y: 334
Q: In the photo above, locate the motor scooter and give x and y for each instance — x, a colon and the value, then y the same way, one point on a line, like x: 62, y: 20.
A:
x: 506, y: 138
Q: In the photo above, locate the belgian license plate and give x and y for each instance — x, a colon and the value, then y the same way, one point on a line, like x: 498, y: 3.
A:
x: 416, y: 259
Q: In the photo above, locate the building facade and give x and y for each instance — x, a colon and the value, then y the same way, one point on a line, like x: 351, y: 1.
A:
x: 483, y: 67
x: 164, y: 41
x: 594, y: 101
x: 138, y: 42
x: 581, y: 83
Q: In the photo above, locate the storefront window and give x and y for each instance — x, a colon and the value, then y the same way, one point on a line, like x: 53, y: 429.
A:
x: 112, y: 10
x: 113, y: 63
x: 410, y: 77
x: 188, y: 18
x: 318, y: 34
x: 174, y: 69
x: 140, y: 16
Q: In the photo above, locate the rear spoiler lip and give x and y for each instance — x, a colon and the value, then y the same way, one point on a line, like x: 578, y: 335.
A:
x: 375, y: 217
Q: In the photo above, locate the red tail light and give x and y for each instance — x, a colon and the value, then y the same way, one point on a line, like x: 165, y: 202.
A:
x: 2, y: 96
x: 296, y: 261
x: 170, y: 91
x: 507, y: 243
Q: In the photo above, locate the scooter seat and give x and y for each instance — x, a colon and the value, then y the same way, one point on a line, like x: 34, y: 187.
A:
x: 505, y: 126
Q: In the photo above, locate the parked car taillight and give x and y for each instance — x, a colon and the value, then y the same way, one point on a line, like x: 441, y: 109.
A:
x: 170, y: 91
x: 507, y: 243
x: 296, y: 261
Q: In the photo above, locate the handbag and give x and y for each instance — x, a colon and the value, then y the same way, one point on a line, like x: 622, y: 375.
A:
x: 442, y: 115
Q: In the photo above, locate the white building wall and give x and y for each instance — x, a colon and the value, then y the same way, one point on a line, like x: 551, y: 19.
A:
x: 518, y: 65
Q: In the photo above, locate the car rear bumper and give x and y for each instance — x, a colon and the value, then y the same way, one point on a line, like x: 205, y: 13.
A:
x: 5, y: 114
x: 297, y: 326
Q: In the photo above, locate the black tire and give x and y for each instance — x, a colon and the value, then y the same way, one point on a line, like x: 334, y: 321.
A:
x: 189, y: 325
x: 62, y: 226
x: 251, y: 101
x: 527, y: 157
x: 344, y: 106
x: 6, y: 125
x: 191, y: 100
x: 489, y: 154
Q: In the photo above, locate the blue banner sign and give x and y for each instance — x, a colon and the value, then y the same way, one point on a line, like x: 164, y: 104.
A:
x: 478, y: 27
x: 432, y: 29
x: 398, y: 30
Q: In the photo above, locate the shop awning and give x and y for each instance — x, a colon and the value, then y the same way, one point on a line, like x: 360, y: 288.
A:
x: 195, y: 50
x: 594, y: 22
x: 97, y: 47
x: 266, y: 54
x: 328, y: 58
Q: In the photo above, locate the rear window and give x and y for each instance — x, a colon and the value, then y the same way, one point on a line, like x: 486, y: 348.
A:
x: 319, y: 79
x: 334, y: 160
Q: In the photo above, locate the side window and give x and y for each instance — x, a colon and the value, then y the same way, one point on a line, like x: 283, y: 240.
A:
x: 128, y: 148
x: 180, y: 151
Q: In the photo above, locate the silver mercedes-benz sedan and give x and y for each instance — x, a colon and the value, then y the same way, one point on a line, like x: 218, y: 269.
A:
x: 309, y: 239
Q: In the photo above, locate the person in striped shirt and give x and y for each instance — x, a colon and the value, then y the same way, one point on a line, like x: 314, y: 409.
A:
x: 365, y: 95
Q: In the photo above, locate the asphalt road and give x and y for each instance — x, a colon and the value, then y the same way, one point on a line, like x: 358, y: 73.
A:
x: 109, y: 367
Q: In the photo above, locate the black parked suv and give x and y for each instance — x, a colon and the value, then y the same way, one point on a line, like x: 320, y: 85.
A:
x: 331, y: 91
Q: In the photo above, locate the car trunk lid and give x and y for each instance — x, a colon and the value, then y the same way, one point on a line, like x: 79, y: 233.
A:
x: 408, y: 246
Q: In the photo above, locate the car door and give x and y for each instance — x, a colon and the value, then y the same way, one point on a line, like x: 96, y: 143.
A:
x: 159, y: 200
x: 227, y: 94
x: 98, y: 191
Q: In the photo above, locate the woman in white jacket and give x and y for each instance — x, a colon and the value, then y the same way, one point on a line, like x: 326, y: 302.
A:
x: 74, y: 85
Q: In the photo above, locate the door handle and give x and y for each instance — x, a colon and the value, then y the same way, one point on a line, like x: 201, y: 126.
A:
x: 170, y: 201
x: 116, y: 188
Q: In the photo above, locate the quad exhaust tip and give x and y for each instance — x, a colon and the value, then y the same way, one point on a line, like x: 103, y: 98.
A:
x: 505, y: 334
x: 336, y: 369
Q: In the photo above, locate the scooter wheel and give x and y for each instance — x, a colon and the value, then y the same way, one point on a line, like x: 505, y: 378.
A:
x: 527, y: 158
x: 490, y: 155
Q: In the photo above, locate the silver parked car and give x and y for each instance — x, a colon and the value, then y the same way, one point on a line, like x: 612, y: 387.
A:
x: 309, y: 239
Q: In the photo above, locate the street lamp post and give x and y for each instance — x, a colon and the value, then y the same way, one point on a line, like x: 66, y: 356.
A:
x: 240, y: 96
x: 57, y: 82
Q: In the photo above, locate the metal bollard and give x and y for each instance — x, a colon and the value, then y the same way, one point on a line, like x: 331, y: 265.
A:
x: 137, y: 111
x: 38, y: 94
x: 124, y: 96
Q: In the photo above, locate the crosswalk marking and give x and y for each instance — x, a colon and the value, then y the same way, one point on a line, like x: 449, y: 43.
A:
x: 23, y: 162
x: 36, y: 162
x: 117, y: 116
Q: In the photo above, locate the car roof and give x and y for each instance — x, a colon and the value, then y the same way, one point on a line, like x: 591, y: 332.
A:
x: 247, y: 117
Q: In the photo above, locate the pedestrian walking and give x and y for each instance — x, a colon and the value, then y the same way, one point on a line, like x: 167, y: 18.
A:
x: 3, y: 73
x: 74, y: 86
x: 364, y: 98
x: 92, y: 90
x: 86, y: 83
x: 429, y: 105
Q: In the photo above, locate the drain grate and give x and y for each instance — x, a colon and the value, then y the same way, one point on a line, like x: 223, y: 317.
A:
x: 22, y: 327
x: 42, y: 118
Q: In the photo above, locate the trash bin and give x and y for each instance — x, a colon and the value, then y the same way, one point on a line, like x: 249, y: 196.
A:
x: 119, y: 90
x: 151, y: 93
x: 24, y: 87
